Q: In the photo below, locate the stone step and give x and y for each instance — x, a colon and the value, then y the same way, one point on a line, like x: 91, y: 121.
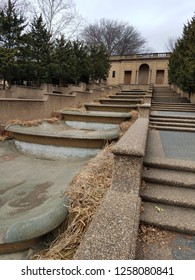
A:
x: 133, y: 90
x: 120, y: 101
x: 173, y: 115
x: 171, y: 128
x: 159, y: 89
x: 164, y: 90
x: 129, y: 96
x: 169, y: 177
x: 170, y: 100
x: 61, y: 135
x: 172, y: 119
x: 95, y: 117
x: 166, y: 194
x: 110, y: 107
x: 169, y: 163
x: 136, y: 93
x: 173, y: 104
x: 174, y: 218
x: 171, y: 124
x: 166, y: 94
x: 173, y: 109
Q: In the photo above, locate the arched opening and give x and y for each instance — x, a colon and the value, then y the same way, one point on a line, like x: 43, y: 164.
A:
x: 143, y: 74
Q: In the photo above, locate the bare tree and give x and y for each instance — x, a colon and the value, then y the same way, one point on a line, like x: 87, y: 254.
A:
x: 22, y: 6
x: 60, y: 16
x: 170, y: 45
x: 119, y: 38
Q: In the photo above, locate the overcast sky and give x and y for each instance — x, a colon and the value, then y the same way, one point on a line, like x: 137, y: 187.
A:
x: 156, y: 20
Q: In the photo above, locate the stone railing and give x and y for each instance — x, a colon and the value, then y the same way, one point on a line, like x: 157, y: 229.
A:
x: 113, y: 231
x: 141, y: 56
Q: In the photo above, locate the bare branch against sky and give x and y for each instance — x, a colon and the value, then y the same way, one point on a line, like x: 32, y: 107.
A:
x: 118, y: 37
x: 155, y: 20
x: 60, y: 16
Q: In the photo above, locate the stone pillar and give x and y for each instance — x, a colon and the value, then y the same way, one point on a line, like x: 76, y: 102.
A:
x: 144, y: 110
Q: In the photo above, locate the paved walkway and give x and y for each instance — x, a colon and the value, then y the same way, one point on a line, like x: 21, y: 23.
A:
x: 169, y: 163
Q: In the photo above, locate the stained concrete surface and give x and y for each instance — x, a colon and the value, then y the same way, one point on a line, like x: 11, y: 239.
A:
x: 172, y: 113
x: 32, y: 200
x: 62, y: 130
x: 174, y: 246
x: 178, y: 145
x: 171, y: 145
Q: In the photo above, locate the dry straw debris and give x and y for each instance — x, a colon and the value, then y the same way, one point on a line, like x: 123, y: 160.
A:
x: 85, y: 193
x: 34, y: 122
x: 149, y: 234
x: 3, y: 138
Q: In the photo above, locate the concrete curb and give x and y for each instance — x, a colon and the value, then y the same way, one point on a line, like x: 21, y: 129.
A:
x: 113, y: 232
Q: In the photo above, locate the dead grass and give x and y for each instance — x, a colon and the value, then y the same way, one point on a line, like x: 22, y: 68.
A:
x: 124, y: 126
x: 85, y: 194
x: 3, y: 138
x: 34, y: 122
x: 150, y: 234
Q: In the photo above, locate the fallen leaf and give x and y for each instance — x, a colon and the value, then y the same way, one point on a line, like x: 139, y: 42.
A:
x: 159, y: 209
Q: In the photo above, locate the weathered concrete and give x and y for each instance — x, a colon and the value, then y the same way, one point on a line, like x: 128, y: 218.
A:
x: 134, y: 140
x: 98, y: 117
x: 31, y: 197
x: 168, y: 188
x: 171, y: 177
x: 179, y: 219
x: 30, y: 109
x: 169, y: 195
x: 129, y: 152
x: 144, y: 110
x: 112, y: 233
x: 127, y: 96
x: 119, y: 101
x: 62, y: 135
x: 110, y: 108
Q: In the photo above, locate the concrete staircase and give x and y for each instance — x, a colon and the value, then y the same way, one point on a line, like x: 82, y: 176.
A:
x: 122, y: 101
x: 166, y: 94
x: 168, y: 186
x: 172, y: 122
x: 43, y: 159
x: 169, y: 199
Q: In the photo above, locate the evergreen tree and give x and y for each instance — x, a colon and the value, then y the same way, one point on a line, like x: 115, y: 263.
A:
x: 99, y: 62
x: 75, y: 62
x: 63, y: 62
x: 12, y: 25
x: 182, y: 61
x: 39, y: 52
x: 81, y: 62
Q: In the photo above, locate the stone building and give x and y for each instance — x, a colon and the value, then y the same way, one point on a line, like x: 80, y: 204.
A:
x: 139, y: 69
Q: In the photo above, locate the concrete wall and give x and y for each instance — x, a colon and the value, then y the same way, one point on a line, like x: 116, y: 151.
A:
x: 24, y: 92
x: 120, y: 64
x: 69, y: 88
x: 29, y: 109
